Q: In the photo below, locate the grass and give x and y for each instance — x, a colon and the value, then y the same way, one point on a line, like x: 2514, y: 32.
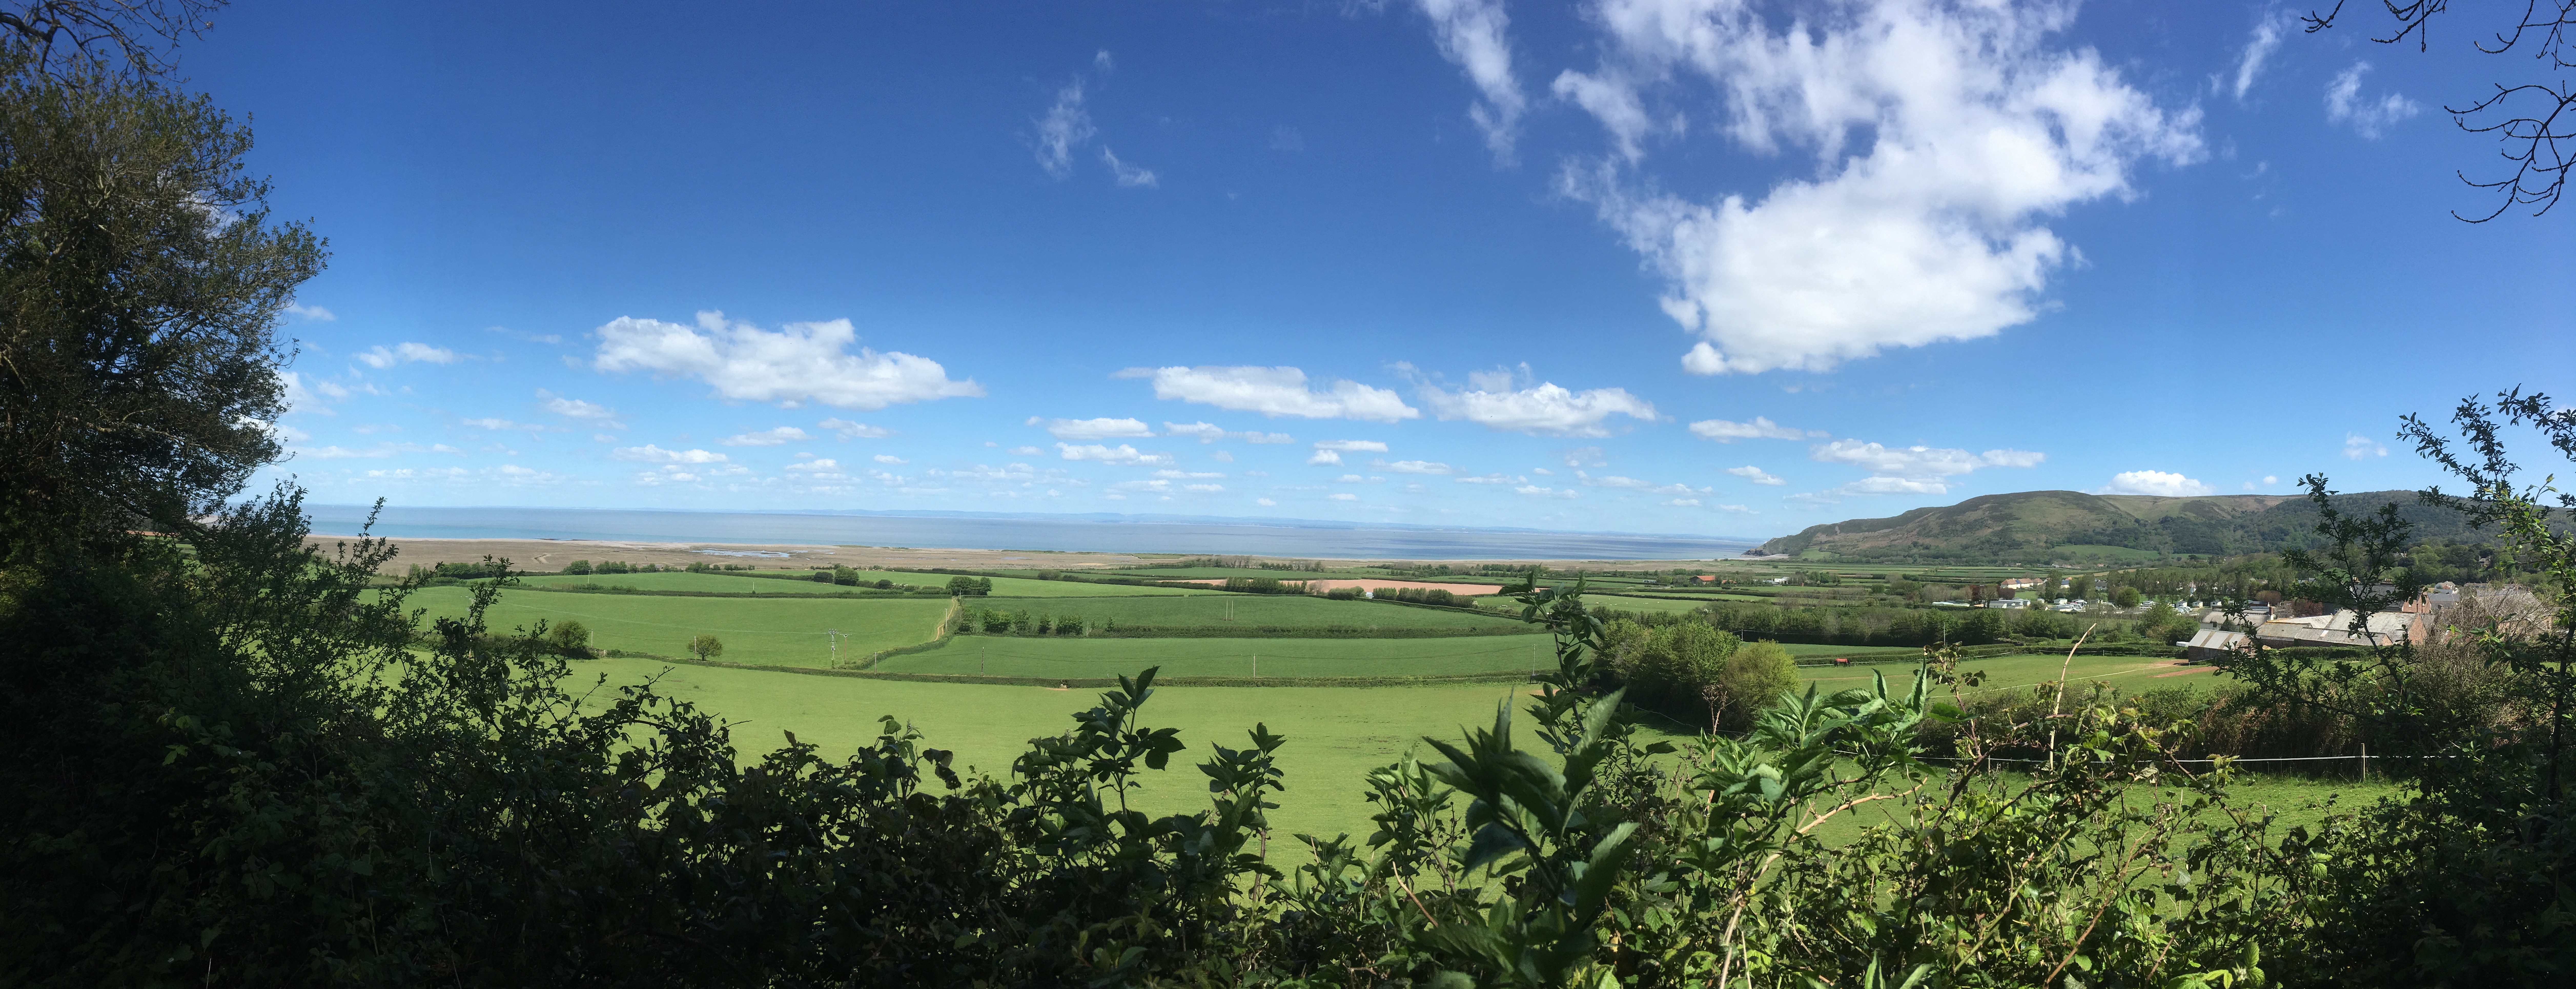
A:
x: 1221, y: 573
x: 2129, y: 673
x: 1019, y: 587
x: 1335, y: 734
x: 1084, y: 657
x: 1283, y: 610
x: 786, y: 632
x: 1616, y: 603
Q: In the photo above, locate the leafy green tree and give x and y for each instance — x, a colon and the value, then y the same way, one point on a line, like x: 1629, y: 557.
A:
x: 1755, y: 676
x: 577, y: 567
x: 706, y: 647
x: 2125, y: 596
x: 140, y: 280
x: 570, y: 638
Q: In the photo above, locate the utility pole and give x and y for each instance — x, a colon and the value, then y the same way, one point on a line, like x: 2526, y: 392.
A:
x: 832, y: 640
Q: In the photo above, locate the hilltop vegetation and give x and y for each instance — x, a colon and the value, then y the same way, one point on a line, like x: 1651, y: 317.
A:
x: 2071, y: 527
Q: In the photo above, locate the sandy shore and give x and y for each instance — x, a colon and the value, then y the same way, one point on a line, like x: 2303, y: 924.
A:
x: 553, y: 554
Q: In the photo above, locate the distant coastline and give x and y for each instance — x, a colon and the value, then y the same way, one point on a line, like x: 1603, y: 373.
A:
x: 1093, y: 533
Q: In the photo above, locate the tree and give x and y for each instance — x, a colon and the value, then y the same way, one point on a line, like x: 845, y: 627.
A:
x: 2125, y: 596
x: 570, y: 638
x: 577, y: 567
x: 1755, y: 676
x: 2531, y: 120
x: 140, y: 282
x: 706, y: 647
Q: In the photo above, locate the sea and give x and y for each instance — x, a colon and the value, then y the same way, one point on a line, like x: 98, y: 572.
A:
x: 1063, y: 533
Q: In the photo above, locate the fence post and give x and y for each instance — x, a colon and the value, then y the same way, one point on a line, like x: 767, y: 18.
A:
x: 2365, y: 762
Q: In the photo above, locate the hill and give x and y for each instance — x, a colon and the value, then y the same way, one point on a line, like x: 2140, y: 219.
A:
x: 2046, y: 526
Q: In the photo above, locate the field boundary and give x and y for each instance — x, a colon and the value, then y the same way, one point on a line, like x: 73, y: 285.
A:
x: 947, y: 630
x: 1085, y: 682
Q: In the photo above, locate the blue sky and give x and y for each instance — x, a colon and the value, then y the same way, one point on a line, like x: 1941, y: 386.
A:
x: 1649, y: 265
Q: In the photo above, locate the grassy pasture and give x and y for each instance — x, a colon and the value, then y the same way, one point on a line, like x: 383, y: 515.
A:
x: 1080, y: 657
x: 1249, y: 610
x: 1335, y: 734
x: 2003, y: 673
x: 1618, y: 603
x: 1019, y: 587
x: 786, y: 632
x: 1221, y: 573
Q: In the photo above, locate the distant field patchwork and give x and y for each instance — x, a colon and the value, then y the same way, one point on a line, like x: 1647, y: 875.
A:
x: 786, y: 632
x: 1079, y: 657
x: 1251, y: 610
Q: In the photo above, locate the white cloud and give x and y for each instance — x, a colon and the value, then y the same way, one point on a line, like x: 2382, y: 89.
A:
x: 2358, y: 447
x: 768, y: 437
x: 597, y: 415
x: 1944, y: 134
x: 799, y: 363
x: 2269, y: 479
x: 1472, y: 35
x: 1682, y: 503
x: 603, y: 438
x: 380, y: 357
x: 1203, y: 488
x: 502, y: 425
x: 888, y: 458
x: 1191, y: 475
x: 1415, y: 467
x: 1269, y: 438
x: 1352, y: 446
x: 1065, y: 127
x: 1614, y: 481
x: 1581, y: 456
x: 2153, y: 482
x: 1534, y: 491
x: 1325, y: 457
x: 1274, y: 391
x: 1545, y: 410
x: 1344, y: 496
x: 1264, y: 502
x: 315, y: 314
x: 1120, y: 454
x: 1207, y: 432
x: 1491, y: 479
x: 1027, y: 451
x: 1914, y: 469
x: 1097, y: 429
x: 1129, y: 176
x: 847, y: 430
x: 2369, y: 117
x: 651, y: 454
x: 1222, y: 457
x: 2267, y: 37
x: 1761, y: 428
x: 817, y: 464
x: 1755, y: 474
x: 1737, y: 509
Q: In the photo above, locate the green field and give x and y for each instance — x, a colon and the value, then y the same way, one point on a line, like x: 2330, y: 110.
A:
x: 1617, y: 603
x: 1019, y: 587
x: 1249, y: 610
x: 2129, y: 673
x: 1222, y: 573
x: 1071, y: 657
x: 786, y: 632
x: 1335, y: 734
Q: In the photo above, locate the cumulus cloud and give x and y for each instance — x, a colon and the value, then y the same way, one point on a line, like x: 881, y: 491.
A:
x: 1120, y: 454
x: 1344, y: 496
x: 1473, y: 35
x: 1535, y: 491
x: 1761, y: 428
x: 1491, y: 479
x: 1755, y: 474
x: 1326, y: 457
x: 1737, y: 509
x: 1944, y: 135
x: 503, y: 425
x: 768, y: 437
x: 1414, y: 467
x: 1026, y: 451
x: 800, y: 362
x: 650, y: 454
x: 591, y: 413
x: 1097, y: 429
x: 1544, y: 410
x: 1222, y: 457
x: 847, y: 430
x: 315, y: 314
x: 2369, y: 117
x: 404, y: 353
x: 1264, y: 502
x: 1191, y: 475
x: 1207, y: 432
x: 2153, y: 482
x: 1913, y: 469
x: 2358, y: 447
x: 1351, y: 446
x: 1275, y: 391
x: 1682, y: 503
x: 1272, y: 438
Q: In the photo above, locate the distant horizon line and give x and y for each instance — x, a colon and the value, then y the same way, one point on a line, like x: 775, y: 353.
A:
x: 1099, y: 517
